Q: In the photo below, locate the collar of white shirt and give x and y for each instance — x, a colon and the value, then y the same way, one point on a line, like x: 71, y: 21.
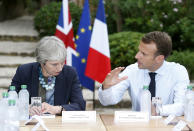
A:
x: 159, y: 71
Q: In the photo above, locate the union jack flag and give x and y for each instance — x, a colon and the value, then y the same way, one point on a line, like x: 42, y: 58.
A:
x: 64, y: 31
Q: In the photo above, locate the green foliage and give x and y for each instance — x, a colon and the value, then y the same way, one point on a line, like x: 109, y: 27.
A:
x: 172, y: 16
x: 185, y: 58
x: 32, y: 6
x: 47, y: 17
x: 123, y: 48
x: 187, y: 26
x: 110, y: 17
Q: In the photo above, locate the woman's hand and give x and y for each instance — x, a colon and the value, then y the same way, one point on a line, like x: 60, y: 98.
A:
x: 46, y: 108
x: 35, y: 110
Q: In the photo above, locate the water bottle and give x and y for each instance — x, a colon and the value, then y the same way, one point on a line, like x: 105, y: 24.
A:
x: 189, y: 104
x: 24, y: 103
x: 190, y: 111
x: 145, y: 100
x: 188, y: 97
x: 3, y: 109
x: 12, y: 117
x: 189, y: 92
x: 13, y: 94
x: 4, y: 100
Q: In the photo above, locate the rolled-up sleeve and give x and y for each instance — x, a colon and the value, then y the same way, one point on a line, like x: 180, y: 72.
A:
x: 182, y: 81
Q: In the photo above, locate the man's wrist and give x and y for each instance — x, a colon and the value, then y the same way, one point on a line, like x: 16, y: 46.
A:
x: 104, y: 87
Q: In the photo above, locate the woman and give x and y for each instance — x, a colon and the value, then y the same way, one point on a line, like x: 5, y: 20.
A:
x: 49, y: 78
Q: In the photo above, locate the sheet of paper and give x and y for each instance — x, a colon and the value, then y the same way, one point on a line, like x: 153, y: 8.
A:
x: 40, y: 122
x: 130, y: 116
x: 179, y: 127
x: 169, y: 119
x: 78, y: 116
x: 47, y: 116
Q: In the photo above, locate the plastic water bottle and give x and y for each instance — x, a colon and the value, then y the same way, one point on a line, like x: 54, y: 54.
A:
x: 4, y: 100
x: 189, y: 104
x: 188, y: 97
x: 12, y: 117
x: 13, y: 94
x: 189, y: 92
x: 3, y: 109
x: 145, y: 100
x: 190, y: 111
x: 24, y: 103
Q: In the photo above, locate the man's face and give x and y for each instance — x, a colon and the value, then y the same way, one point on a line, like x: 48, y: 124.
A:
x: 146, y: 58
x: 52, y: 68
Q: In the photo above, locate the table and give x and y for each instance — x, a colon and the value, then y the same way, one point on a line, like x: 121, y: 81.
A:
x: 104, y: 122
x: 152, y: 125
x: 55, y: 124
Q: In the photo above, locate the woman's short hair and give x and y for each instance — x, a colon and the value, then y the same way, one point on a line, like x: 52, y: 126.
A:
x: 50, y: 48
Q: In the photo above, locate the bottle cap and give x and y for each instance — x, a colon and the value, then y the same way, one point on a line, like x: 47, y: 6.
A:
x: 23, y: 86
x: 189, y: 87
x: 145, y: 87
x: 5, y: 95
x: 12, y: 88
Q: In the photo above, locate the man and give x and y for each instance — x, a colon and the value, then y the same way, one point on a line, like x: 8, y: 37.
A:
x: 169, y: 79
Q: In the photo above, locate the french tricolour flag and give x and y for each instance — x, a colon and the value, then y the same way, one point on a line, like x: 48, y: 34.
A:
x: 98, y: 63
x: 64, y: 31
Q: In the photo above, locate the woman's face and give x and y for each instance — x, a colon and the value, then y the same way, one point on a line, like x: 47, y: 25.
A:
x: 52, y: 68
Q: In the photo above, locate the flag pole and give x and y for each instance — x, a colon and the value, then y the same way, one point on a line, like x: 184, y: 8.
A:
x: 94, y: 105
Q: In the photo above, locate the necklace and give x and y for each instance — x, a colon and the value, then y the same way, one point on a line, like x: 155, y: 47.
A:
x: 51, y: 81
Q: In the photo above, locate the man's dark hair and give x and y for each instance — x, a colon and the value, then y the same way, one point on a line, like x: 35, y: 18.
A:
x: 162, y: 40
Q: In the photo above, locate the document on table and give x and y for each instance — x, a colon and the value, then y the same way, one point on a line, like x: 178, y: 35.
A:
x: 47, y: 115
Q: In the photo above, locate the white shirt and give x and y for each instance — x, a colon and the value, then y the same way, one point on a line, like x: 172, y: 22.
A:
x: 171, y: 83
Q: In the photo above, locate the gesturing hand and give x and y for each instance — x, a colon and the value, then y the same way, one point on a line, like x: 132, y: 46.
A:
x: 113, y: 78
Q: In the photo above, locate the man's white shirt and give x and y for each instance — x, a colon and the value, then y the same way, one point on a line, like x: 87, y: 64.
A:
x: 171, y: 83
